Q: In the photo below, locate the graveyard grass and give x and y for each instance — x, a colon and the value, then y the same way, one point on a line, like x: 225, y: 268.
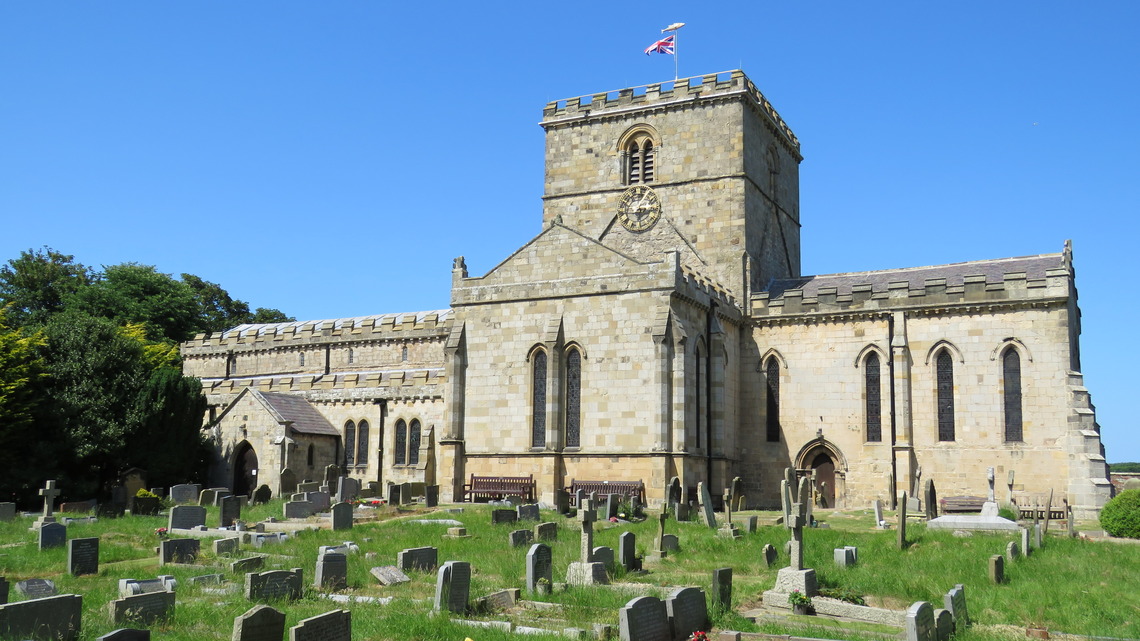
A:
x: 1071, y: 586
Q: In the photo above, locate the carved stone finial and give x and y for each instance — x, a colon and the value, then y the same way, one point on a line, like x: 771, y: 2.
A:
x: 459, y: 264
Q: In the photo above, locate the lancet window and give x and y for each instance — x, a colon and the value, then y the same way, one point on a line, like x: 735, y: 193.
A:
x: 944, y: 371
x: 873, y: 395
x: 1011, y: 375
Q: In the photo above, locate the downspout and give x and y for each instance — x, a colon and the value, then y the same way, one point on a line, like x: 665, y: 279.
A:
x: 891, y: 378
x: 709, y: 320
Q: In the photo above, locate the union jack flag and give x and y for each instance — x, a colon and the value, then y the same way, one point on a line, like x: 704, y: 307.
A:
x: 664, y: 45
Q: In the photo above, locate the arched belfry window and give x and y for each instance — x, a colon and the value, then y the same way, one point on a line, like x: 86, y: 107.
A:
x: 573, y: 398
x: 944, y: 373
x: 349, y: 443
x: 638, y: 150
x: 538, y: 399
x: 362, y: 443
x: 873, y: 397
x: 414, y: 442
x: 772, y: 382
x: 1011, y: 377
x: 401, y: 445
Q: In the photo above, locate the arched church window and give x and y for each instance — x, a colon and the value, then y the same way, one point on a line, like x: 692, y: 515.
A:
x: 772, y: 381
x: 1011, y: 376
x: 401, y: 448
x: 349, y: 442
x: 873, y: 394
x: 302, y: 359
x: 538, y: 399
x: 404, y: 353
x: 362, y: 443
x: 312, y: 454
x: 414, y: 442
x: 640, y: 160
x: 351, y: 356
x: 944, y: 366
x: 573, y: 398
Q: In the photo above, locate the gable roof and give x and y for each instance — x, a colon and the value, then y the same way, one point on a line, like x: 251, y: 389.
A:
x: 288, y: 408
x: 994, y: 270
x: 546, y: 255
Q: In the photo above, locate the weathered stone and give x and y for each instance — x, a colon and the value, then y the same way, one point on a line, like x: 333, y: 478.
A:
x: 341, y: 516
x: 179, y: 551
x: 644, y: 618
x: 997, y: 568
x: 259, y: 623
x: 688, y: 612
x: 226, y: 546
x: 722, y: 588
x: 55, y: 617
x: 955, y: 602
x: 186, y: 517
x: 332, y: 571
x: 539, y: 568
x: 546, y: 531
x: 36, y: 588
x: 390, y: 575
x: 146, y: 608
x: 184, y: 493
x: 52, y: 535
x: 248, y: 564
x: 453, y: 586
x: 920, y: 621
x: 83, y: 556
x: 330, y: 626
x: 519, y: 538
x: 274, y: 584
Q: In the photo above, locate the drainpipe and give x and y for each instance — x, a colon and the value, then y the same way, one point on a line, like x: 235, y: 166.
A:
x: 711, y: 318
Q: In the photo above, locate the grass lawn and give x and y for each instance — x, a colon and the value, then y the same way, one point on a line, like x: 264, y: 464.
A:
x: 1072, y: 586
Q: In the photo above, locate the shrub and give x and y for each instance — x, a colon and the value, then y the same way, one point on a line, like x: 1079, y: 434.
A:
x: 1006, y: 512
x: 1121, y: 515
x: 146, y: 494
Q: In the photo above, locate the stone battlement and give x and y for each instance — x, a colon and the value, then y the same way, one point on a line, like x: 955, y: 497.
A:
x: 659, y: 94
x: 334, y: 381
x: 384, y: 326
x: 706, y: 286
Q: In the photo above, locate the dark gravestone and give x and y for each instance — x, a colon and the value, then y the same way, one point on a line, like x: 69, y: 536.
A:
x: 562, y: 501
x: 390, y: 575
x: 143, y: 608
x: 431, y: 496
x: 52, y: 535
x: 298, y: 510
x: 519, y: 538
x: 186, y: 517
x: 644, y: 619
x: 722, y: 588
x: 287, y: 481
x: 230, y: 510
x: 955, y: 602
x: 920, y: 621
x: 453, y: 586
x: 612, y: 503
x: 308, y: 486
x: 546, y: 531
x: 36, y: 588
x: 57, y: 618
x: 248, y: 564
x: 627, y: 551
x: 259, y: 623
x: 262, y: 495
x: 527, y: 512
x: 226, y: 546
x: 341, y: 517
x: 179, y: 551
x: 332, y: 473
x: 602, y: 554
x: 207, y: 496
x: 405, y: 493
x: 332, y: 571
x: 393, y: 495
x: 7, y: 511
x: 126, y: 634
x: 930, y: 500
x: 184, y: 493
x: 943, y: 625
x: 424, y: 559
x: 275, y: 584
x: 688, y: 612
x: 330, y: 626
x: 504, y: 516
x: 539, y: 567
x: 3, y: 590
x: 83, y: 556
x: 997, y: 568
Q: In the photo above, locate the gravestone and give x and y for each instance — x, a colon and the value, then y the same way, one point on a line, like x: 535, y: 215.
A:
x: 880, y: 523
x: 737, y: 490
x: 892, y: 490
x: 539, y: 566
x: 330, y: 626
x: 163, y: 583
x: 453, y: 586
x: 262, y: 494
x: 1038, y: 540
x: 3, y: 590
x: 52, y: 535
x: 186, y: 517
x: 320, y: 500
x: 722, y: 588
x: 125, y: 634
x: 770, y: 555
x: 562, y: 501
x: 299, y: 510
x: 49, y: 492
x: 424, y: 559
x: 341, y: 517
x: 274, y: 584
x: 36, y: 588
x: 147, y: 608
x: 579, y: 498
x: 659, y: 551
x: 955, y: 602
x: 230, y: 510
x: 1012, y: 551
x: 390, y: 575
x: 527, y: 512
x: 308, y: 486
x: 603, y: 554
x: 943, y: 625
x: 990, y: 478
x: 83, y: 556
x: 706, y: 505
x: 431, y: 496
x: 612, y: 503
x: 687, y: 611
x: 902, y: 522
x: 920, y: 622
x: 456, y: 533
x: 627, y: 551
x: 7, y: 512
x: 504, y: 516
x: 1025, y: 549
x: 394, y: 494
x: 546, y: 531
x: 673, y: 491
x: 332, y: 473
x: 796, y: 515
x: 56, y: 617
x: 997, y: 568
x: 405, y: 493
x: 930, y: 497
x: 259, y: 623
x: 226, y: 546
x: 519, y: 538
x: 347, y: 488
x: 332, y: 571
x: 184, y: 493
x: 248, y: 564
x: 179, y: 551
x: 644, y: 619
x: 751, y: 524
x: 586, y: 571
x: 671, y: 543
x: 844, y: 557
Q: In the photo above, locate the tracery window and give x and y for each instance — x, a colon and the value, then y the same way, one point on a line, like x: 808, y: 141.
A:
x: 573, y: 398
x: 362, y: 443
x: 874, y: 409
x: 538, y: 399
x: 772, y: 379
x: 1011, y: 374
x: 414, y: 442
x: 349, y: 443
x: 401, y: 446
x: 944, y: 366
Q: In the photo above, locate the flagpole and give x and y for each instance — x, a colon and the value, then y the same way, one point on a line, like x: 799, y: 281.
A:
x: 675, y: 28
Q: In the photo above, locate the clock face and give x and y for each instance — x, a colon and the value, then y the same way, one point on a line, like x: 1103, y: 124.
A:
x: 638, y: 208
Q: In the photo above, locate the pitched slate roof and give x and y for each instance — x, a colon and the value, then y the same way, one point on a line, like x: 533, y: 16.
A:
x: 305, y: 418
x: 337, y: 323
x: 994, y: 270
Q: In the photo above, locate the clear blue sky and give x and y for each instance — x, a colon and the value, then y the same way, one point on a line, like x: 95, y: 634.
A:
x: 331, y: 158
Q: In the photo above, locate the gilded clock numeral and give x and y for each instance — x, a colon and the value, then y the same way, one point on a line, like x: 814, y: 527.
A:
x: 639, y: 208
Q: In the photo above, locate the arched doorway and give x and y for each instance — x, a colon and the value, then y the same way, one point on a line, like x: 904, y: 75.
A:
x: 829, y: 468
x: 245, y: 470
x: 823, y: 469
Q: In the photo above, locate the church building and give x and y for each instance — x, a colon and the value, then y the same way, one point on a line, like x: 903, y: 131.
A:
x: 660, y: 326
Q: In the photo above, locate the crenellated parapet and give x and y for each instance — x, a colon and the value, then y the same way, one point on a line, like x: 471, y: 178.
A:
x: 662, y: 94
x: 300, y: 333
x: 702, y: 289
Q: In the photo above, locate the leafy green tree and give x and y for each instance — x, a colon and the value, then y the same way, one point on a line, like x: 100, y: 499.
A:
x: 133, y: 293
x: 218, y: 311
x: 21, y: 377
x: 38, y: 284
x: 166, y: 422
x: 263, y: 315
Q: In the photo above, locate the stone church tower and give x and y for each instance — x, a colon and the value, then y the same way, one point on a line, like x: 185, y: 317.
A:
x: 659, y: 328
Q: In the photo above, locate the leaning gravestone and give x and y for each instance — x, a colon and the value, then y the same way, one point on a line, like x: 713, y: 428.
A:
x: 262, y: 495
x: 330, y: 626
x: 770, y: 555
x: 341, y: 517
x: 143, y: 608
x: 424, y: 559
x: 259, y: 623
x: 390, y: 575
x: 36, y: 588
x: 52, y: 535
x: 332, y: 571
x: 707, y: 506
x: 920, y: 622
x: 644, y: 619
x: 1012, y: 552
x: 179, y: 551
x: 186, y: 517
x: 688, y: 612
x: 184, y: 493
x: 539, y: 567
x: 126, y: 634
x: 453, y: 586
x: 83, y: 556
x: 955, y: 602
x: 248, y: 564
x: 274, y: 584
x: 57, y: 618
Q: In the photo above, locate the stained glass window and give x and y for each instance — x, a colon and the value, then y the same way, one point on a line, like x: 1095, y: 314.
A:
x: 538, y: 400
x: 349, y: 442
x: 414, y: 443
x: 945, y: 373
x: 362, y: 443
x: 1011, y: 372
x: 772, y: 371
x: 573, y: 398
x: 871, y: 383
x: 401, y: 445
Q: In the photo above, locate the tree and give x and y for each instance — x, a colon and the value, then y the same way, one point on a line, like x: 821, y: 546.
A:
x: 133, y: 293
x: 263, y: 315
x: 38, y: 283
x: 166, y: 428
x: 218, y: 311
x: 21, y: 376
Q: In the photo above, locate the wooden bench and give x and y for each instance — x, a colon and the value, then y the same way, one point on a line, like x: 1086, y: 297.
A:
x: 633, y: 489
x: 494, y: 488
x: 952, y: 504
x: 1029, y: 505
